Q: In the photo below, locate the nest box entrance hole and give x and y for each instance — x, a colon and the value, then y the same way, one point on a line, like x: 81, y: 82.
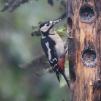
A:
x: 89, y: 57
x: 87, y: 13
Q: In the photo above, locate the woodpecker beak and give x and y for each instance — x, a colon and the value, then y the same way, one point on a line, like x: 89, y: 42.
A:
x: 55, y: 21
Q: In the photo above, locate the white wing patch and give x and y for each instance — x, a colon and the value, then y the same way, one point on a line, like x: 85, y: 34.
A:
x: 49, y: 51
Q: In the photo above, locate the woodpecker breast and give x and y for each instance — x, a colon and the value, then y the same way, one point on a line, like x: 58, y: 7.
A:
x: 59, y: 46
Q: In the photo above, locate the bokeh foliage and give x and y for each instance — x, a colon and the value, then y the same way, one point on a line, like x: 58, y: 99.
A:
x: 17, y: 47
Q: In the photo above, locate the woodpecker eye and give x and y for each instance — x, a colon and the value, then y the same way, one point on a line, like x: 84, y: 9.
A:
x: 47, y: 24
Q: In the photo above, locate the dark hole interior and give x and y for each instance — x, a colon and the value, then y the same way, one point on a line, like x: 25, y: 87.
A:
x: 69, y: 22
x: 87, y: 12
x: 89, y: 57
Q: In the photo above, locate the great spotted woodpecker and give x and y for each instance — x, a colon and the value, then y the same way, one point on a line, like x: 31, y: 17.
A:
x: 54, y: 49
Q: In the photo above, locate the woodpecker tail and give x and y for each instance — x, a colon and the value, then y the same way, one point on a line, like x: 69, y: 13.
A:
x: 58, y: 76
x: 67, y: 81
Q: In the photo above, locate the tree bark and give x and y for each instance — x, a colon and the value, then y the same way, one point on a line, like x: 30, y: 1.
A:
x: 84, y: 48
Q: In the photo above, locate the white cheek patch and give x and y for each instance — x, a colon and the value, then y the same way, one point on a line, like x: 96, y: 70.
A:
x: 44, y: 28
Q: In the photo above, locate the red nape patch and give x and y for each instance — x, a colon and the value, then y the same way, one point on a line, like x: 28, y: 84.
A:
x: 61, y: 63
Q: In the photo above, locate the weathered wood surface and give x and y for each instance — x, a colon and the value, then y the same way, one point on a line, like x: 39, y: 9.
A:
x: 85, y: 51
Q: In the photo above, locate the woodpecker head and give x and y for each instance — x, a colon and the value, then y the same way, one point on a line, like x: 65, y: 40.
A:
x: 46, y: 26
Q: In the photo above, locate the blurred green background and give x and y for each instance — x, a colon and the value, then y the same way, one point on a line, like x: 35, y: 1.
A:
x: 18, y: 47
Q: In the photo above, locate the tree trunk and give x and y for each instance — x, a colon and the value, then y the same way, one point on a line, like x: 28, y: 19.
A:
x: 84, y: 48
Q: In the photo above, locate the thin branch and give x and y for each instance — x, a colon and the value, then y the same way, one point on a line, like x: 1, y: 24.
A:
x: 11, y: 5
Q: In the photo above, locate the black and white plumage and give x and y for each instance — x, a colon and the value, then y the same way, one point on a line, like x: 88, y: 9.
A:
x: 53, y: 47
